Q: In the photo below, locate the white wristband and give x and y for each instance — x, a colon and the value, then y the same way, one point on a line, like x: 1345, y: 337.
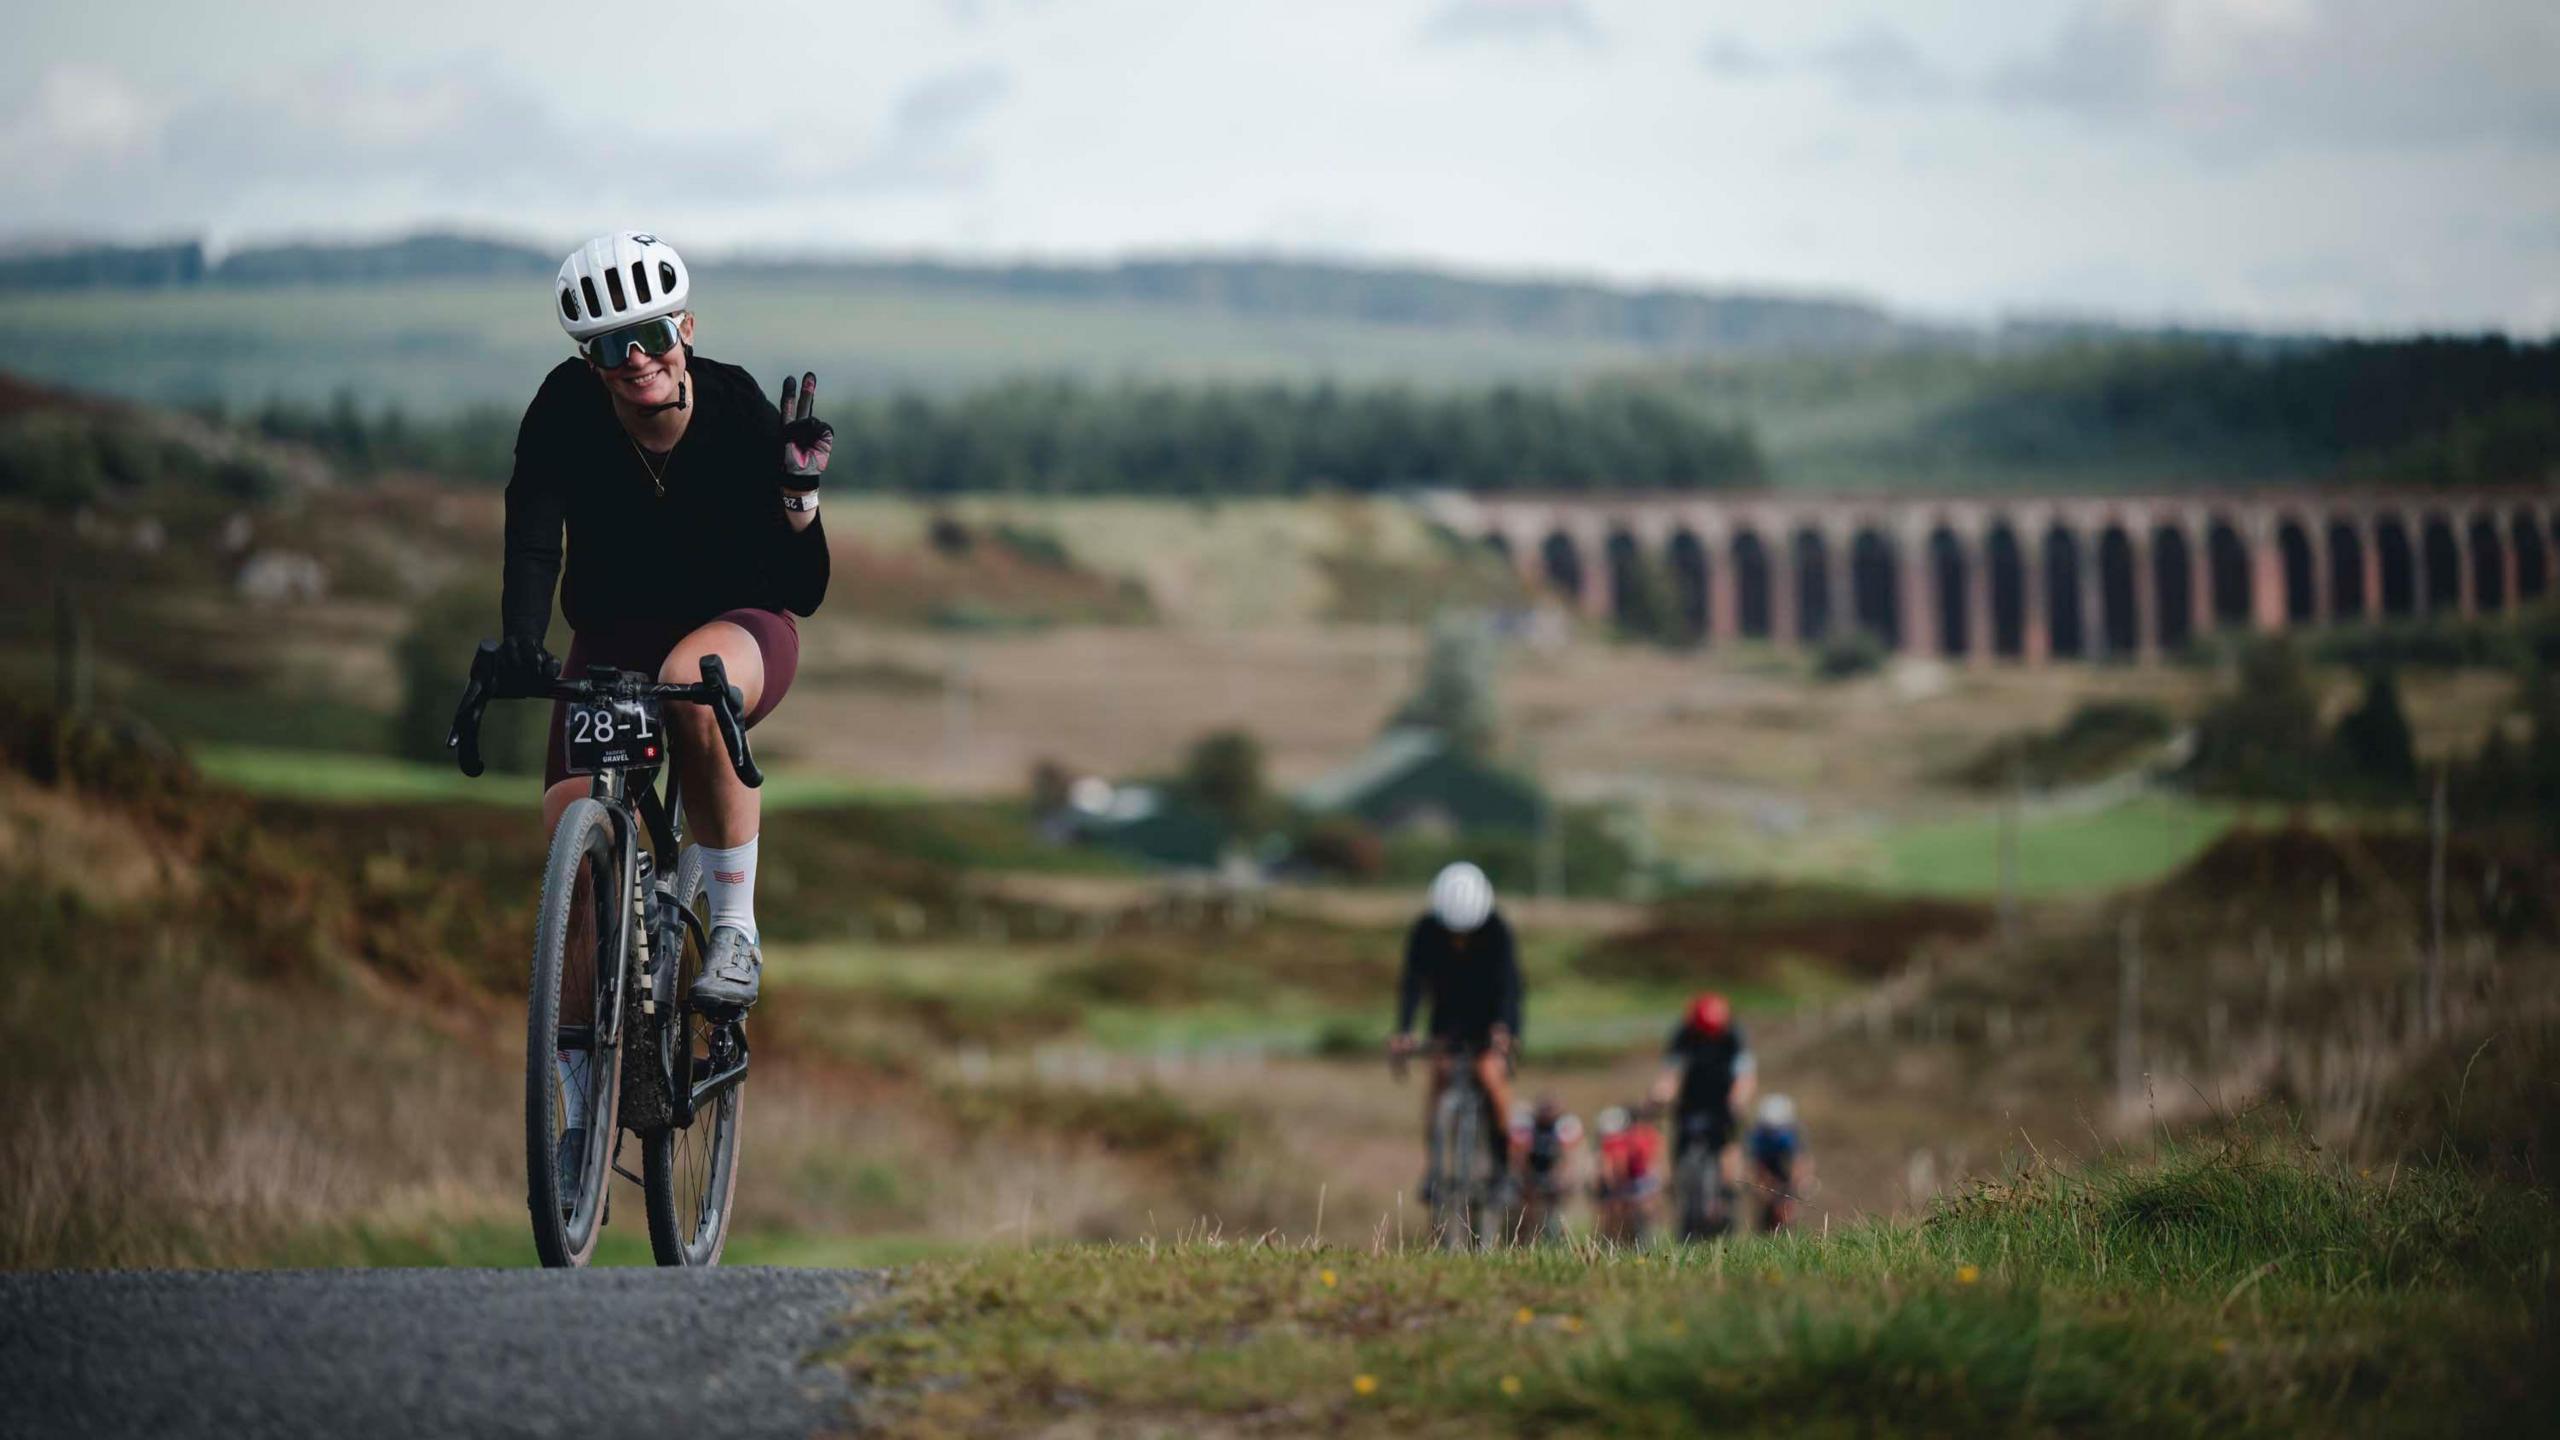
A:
x: 800, y: 502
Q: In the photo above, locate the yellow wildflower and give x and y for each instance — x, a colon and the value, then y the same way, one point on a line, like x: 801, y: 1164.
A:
x: 1524, y: 1316
x: 1328, y: 1277
x: 1968, y: 1274
x: 1510, y: 1384
x: 1364, y: 1384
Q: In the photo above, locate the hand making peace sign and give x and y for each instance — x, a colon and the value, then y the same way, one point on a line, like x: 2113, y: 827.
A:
x: 806, y: 440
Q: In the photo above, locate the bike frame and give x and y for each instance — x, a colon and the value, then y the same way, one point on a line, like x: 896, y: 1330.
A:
x: 644, y: 828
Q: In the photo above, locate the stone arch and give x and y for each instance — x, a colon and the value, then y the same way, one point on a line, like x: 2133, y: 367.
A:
x: 2008, y: 590
x: 2346, y: 571
x: 2301, y: 572
x: 1631, y: 600
x: 1752, y: 602
x: 1949, y: 569
x: 1560, y: 561
x: 1687, y: 558
x: 2119, y: 628
x: 2067, y: 625
x: 2227, y: 560
x: 2533, y: 561
x: 1812, y: 556
x: 1875, y: 587
x: 2440, y: 564
x: 2173, y: 588
x: 2398, y: 557
x: 2489, y: 582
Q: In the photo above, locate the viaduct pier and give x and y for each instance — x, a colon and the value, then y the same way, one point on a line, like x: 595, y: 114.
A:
x: 2025, y: 579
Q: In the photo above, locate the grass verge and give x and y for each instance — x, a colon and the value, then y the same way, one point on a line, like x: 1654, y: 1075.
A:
x: 2229, y: 1289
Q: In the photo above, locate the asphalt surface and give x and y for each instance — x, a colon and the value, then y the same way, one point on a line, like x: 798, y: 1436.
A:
x: 383, y: 1353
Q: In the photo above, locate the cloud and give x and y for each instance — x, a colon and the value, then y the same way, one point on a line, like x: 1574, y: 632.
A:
x: 1734, y: 58
x: 1512, y: 22
x: 1876, y: 65
x: 1880, y: 64
x: 927, y: 141
x: 2323, y: 72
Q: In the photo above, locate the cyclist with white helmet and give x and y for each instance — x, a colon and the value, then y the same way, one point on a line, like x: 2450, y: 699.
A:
x: 1781, y: 1167
x: 690, y: 505
x: 1459, y: 957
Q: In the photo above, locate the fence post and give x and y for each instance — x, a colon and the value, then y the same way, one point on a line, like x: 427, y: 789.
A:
x: 2129, y: 1010
x: 2432, y: 1007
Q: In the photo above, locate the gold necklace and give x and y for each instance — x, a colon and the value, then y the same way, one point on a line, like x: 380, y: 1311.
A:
x: 657, y: 473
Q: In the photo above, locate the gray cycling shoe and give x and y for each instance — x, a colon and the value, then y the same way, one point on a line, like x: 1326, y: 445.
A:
x: 729, y: 973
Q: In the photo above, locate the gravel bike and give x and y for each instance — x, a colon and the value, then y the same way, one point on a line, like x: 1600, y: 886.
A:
x: 612, y: 1036
x: 1701, y: 1201
x: 1462, y: 1184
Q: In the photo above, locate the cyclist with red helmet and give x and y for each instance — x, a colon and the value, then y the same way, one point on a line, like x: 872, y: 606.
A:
x: 1708, y: 1075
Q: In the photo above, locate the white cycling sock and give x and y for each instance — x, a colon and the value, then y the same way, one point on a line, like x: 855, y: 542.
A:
x: 731, y: 874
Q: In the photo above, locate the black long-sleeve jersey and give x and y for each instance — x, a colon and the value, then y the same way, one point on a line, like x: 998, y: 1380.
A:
x: 716, y: 539
x: 1471, y: 989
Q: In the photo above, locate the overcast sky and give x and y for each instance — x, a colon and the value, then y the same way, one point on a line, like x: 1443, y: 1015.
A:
x: 2346, y: 164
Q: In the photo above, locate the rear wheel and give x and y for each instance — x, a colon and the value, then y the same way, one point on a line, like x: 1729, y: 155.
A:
x: 1458, y: 1188
x: 690, y: 1175
x: 572, y: 1080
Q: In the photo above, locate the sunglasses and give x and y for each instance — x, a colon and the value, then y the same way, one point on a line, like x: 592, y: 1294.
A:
x: 612, y: 349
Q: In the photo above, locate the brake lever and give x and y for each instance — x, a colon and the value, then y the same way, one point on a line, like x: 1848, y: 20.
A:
x: 726, y: 701
x: 464, y: 738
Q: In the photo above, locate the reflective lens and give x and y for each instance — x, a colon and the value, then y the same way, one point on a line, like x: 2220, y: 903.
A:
x: 612, y: 349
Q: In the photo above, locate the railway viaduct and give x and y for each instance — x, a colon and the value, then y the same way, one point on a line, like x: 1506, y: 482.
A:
x: 2024, y: 578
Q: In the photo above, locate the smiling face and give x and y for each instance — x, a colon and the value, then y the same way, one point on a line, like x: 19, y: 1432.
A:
x: 644, y: 379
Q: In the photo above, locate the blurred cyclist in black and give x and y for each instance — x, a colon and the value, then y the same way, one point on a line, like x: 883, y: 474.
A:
x: 1708, y: 1074
x: 1459, y: 955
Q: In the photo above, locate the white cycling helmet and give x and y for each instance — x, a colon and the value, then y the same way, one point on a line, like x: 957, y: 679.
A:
x: 1461, y: 897
x: 1613, y: 1119
x: 1777, y: 1111
x: 620, y: 279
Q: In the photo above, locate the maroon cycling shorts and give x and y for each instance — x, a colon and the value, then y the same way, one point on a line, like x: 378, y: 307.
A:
x: 645, y: 645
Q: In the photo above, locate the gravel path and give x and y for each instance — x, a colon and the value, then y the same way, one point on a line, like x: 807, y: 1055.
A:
x: 383, y: 1353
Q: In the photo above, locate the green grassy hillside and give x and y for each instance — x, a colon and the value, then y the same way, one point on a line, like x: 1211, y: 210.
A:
x: 442, y: 346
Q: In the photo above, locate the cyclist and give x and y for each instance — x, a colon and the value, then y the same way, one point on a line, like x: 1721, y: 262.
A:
x: 1545, y: 1139
x: 690, y: 504
x: 1459, y: 955
x: 1707, y: 1078
x: 1780, y: 1166
x: 1630, y: 1174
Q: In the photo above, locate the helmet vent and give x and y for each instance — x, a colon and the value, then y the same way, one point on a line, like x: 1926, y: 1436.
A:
x: 613, y: 282
x: 568, y: 303
x: 640, y: 281
x: 666, y: 278
x: 595, y: 306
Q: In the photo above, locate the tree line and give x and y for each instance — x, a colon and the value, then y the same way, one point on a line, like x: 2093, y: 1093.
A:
x: 2433, y: 410
x: 1062, y: 437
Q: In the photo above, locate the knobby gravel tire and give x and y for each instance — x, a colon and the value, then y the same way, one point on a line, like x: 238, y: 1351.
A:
x: 586, y: 835
x: 690, y: 1176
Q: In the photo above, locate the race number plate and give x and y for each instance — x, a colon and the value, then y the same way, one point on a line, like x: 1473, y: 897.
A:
x: 615, y: 734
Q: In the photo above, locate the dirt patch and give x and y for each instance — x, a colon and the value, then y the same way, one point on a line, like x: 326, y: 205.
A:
x: 1746, y: 932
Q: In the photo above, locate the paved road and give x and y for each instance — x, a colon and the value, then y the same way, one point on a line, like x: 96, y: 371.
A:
x: 383, y: 1353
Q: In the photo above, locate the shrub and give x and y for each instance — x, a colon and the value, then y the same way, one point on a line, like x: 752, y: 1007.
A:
x: 2261, y: 739
x: 52, y: 460
x: 433, y: 659
x: 2372, y: 743
x: 1854, y: 654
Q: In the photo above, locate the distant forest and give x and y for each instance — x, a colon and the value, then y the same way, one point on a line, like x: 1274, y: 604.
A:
x: 2444, y: 411
x: 1059, y: 437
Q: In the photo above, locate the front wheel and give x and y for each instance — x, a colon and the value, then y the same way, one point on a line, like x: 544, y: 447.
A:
x: 572, y: 1079
x: 690, y: 1175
